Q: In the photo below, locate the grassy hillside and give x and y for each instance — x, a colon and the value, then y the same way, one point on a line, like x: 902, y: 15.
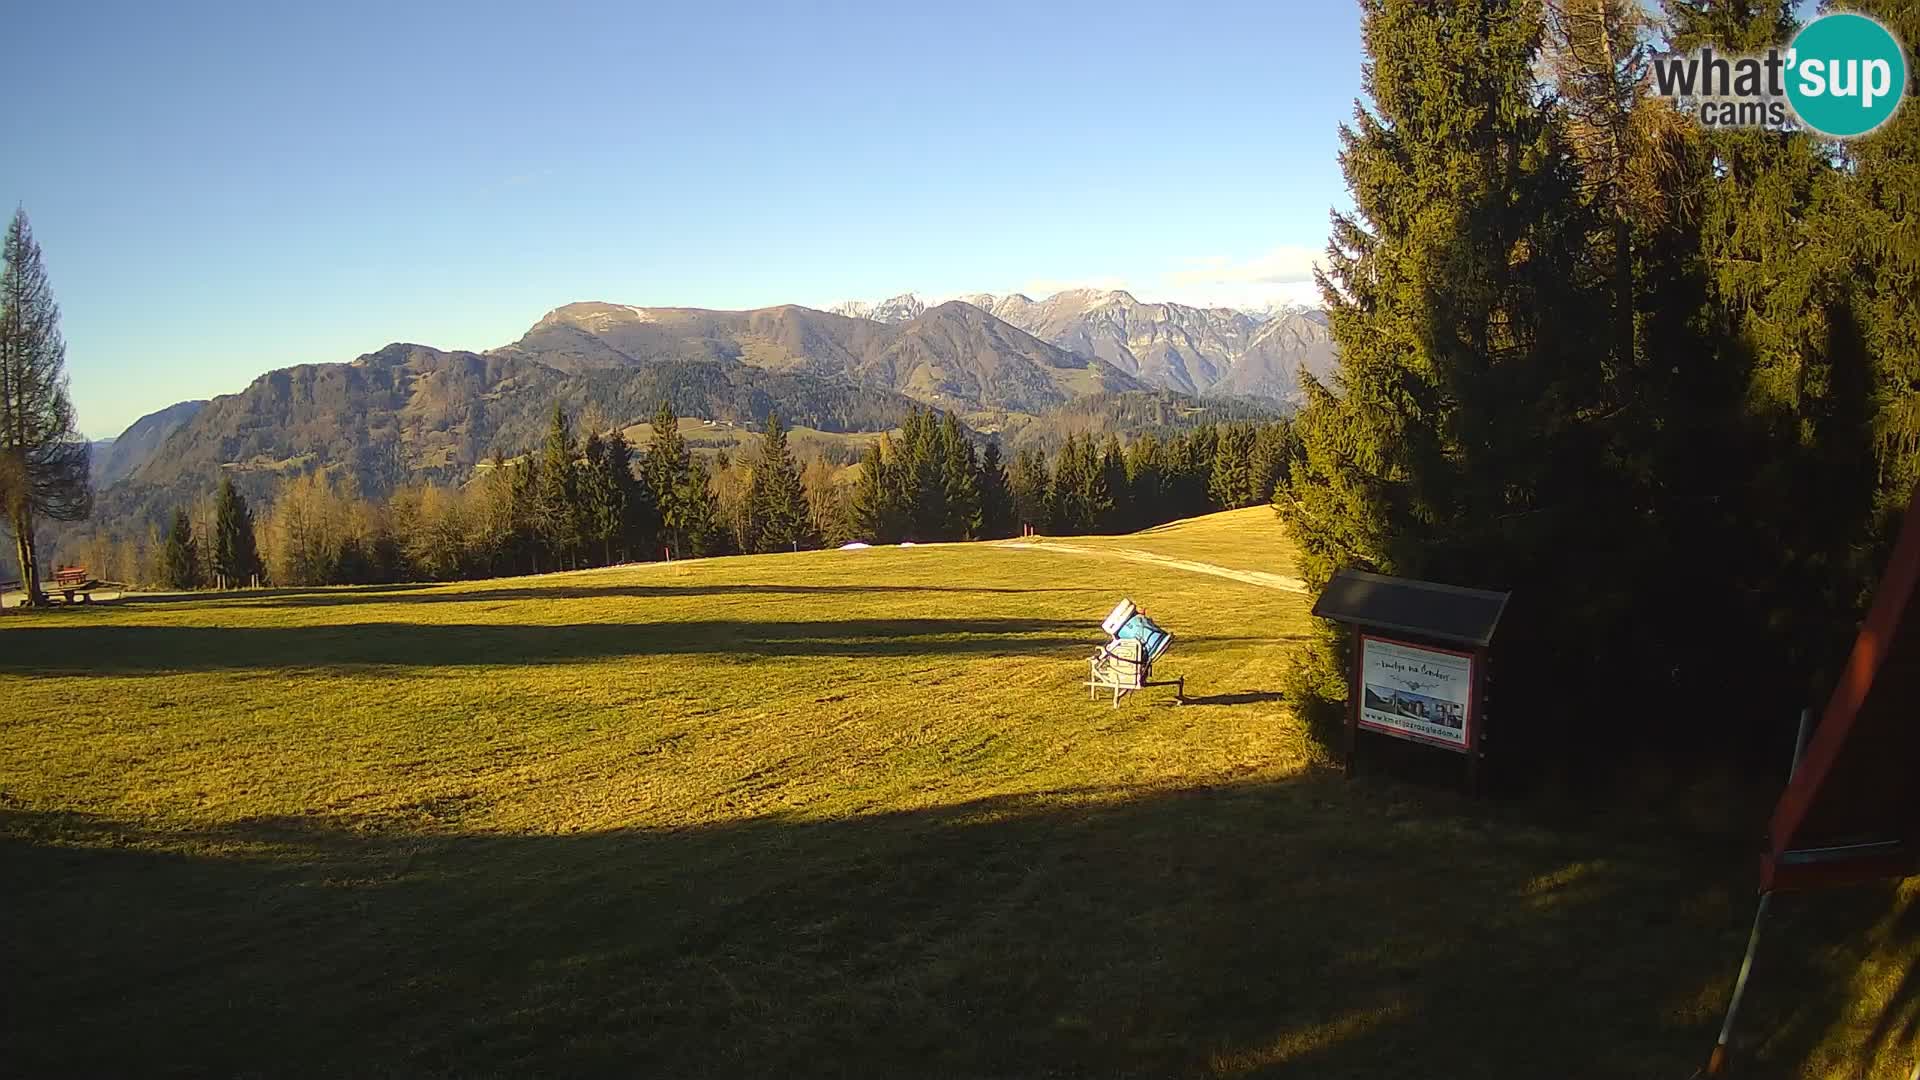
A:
x: 708, y: 437
x: 827, y: 813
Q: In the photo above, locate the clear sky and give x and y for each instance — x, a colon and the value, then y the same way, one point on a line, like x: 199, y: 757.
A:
x: 222, y: 190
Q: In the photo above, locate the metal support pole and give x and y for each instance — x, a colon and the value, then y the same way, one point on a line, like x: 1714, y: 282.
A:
x: 1717, y: 1061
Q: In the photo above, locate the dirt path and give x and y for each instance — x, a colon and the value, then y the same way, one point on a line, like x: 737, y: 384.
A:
x: 1250, y: 577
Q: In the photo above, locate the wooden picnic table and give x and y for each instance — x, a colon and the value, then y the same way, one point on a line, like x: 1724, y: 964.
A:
x: 70, y: 581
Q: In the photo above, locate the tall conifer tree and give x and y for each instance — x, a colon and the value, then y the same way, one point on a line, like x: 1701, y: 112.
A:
x: 235, y: 557
x: 181, y: 561
x: 1457, y: 443
x: 959, y: 482
x: 996, y: 495
x: 558, y: 506
x: 679, y: 487
x: 776, y: 502
x: 44, y: 462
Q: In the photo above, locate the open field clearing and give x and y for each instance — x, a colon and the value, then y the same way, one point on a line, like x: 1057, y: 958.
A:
x: 840, y: 813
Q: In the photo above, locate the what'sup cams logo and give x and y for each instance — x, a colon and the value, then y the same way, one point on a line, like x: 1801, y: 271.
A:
x: 1842, y: 75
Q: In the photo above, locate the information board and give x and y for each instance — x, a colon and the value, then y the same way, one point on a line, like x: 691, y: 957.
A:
x: 1417, y: 692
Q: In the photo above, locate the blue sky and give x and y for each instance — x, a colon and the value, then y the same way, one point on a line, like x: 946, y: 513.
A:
x: 223, y: 190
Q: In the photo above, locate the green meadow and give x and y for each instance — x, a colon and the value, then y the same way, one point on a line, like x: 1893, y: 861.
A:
x: 836, y: 813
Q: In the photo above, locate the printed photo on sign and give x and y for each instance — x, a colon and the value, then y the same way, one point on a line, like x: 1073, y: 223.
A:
x: 1415, y: 692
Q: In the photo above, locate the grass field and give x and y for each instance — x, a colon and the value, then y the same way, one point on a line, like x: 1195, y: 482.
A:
x: 832, y: 813
x: 708, y: 437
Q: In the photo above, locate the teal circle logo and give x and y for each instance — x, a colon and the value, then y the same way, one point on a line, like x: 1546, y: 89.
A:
x: 1846, y: 75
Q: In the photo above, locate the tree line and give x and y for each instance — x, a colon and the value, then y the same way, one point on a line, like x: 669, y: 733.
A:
x: 1659, y: 379
x: 576, y: 502
x: 570, y: 502
x: 930, y: 484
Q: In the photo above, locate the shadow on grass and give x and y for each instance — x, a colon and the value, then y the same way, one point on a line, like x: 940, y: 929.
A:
x: 1248, y: 697
x: 79, y: 649
x: 457, y: 593
x: 1306, y: 927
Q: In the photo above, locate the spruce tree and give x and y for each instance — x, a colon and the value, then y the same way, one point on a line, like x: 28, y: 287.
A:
x: 181, y: 561
x: 526, y: 542
x: 776, y: 502
x: 1190, y: 470
x: 1230, y: 482
x: 1081, y: 499
x: 1792, y: 330
x: 1146, y: 479
x: 639, y: 514
x: 1096, y: 496
x: 1031, y: 484
x: 959, y: 482
x: 919, y: 476
x: 683, y: 504
x: 1066, y: 513
x: 1273, y: 449
x: 1876, y: 200
x: 1120, y: 514
x: 236, y: 559
x: 700, y: 514
x: 603, y: 498
x: 44, y: 461
x: 1458, y: 442
x: 558, y: 508
x: 880, y: 515
x: 996, y: 495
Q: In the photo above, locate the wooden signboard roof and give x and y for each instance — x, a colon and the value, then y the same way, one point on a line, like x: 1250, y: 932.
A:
x: 1446, y: 613
x: 1852, y: 810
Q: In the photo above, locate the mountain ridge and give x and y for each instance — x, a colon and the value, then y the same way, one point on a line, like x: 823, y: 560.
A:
x: 1203, y: 351
x: 412, y: 413
x: 952, y: 355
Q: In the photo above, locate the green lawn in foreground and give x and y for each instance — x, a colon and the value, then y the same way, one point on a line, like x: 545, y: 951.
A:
x: 845, y: 813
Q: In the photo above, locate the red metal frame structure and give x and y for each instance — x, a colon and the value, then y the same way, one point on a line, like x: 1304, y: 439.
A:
x: 1851, y: 812
x: 1851, y: 809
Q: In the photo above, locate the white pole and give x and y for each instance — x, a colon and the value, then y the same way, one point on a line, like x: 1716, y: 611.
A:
x: 1717, y: 1062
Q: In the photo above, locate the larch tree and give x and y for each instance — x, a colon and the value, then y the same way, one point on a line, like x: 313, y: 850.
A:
x: 879, y: 510
x: 44, y: 461
x: 829, y: 501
